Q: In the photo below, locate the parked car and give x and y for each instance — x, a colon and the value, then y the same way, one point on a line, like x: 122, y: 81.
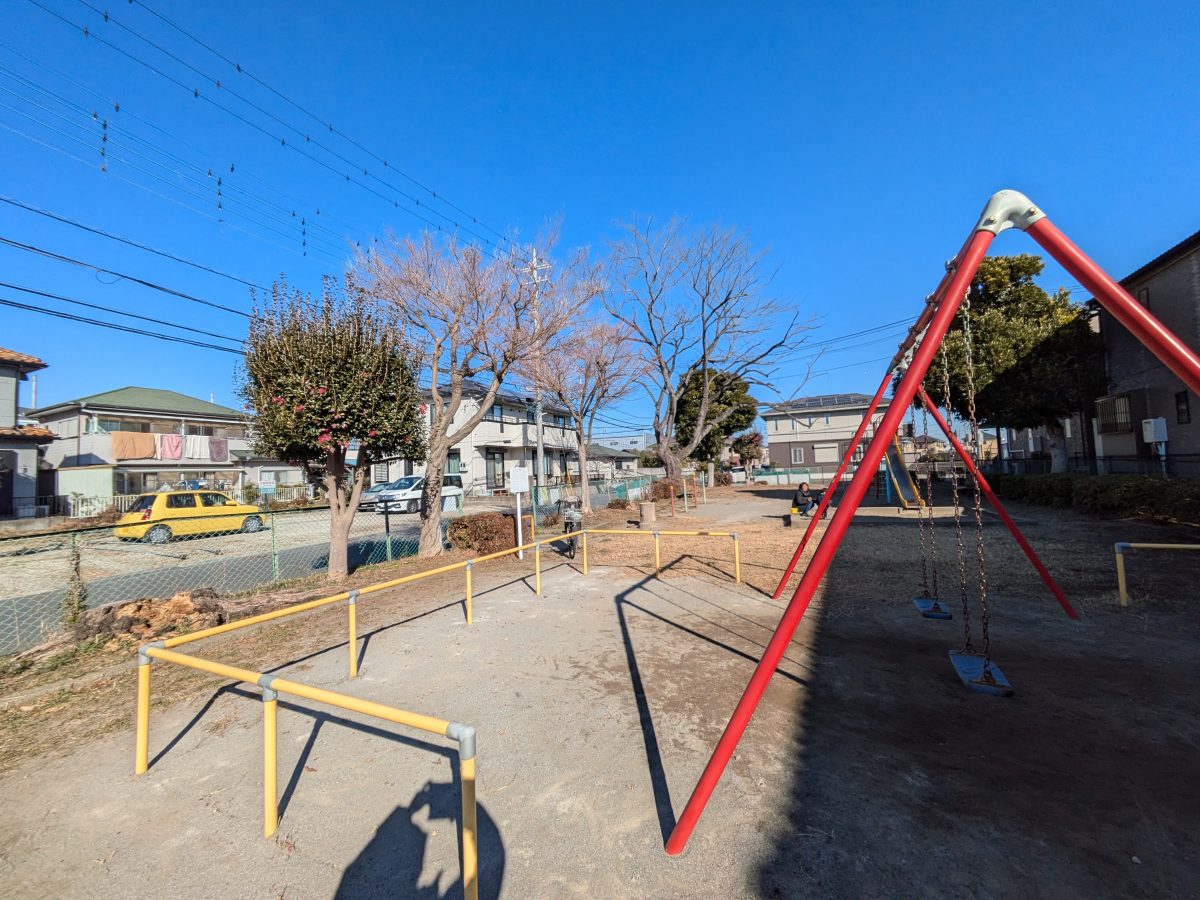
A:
x: 371, y: 494
x: 404, y: 495
x: 156, y: 518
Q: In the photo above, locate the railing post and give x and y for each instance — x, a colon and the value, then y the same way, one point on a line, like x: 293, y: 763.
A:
x: 352, y: 606
x: 737, y: 560
x: 141, y: 753
x: 270, y: 761
x: 1122, y: 589
x: 583, y: 541
x: 467, y: 568
x: 537, y: 568
x: 274, y: 550
x: 657, y: 555
x: 465, y: 735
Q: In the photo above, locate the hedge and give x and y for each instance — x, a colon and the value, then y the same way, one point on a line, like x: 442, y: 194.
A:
x: 1121, y: 496
x: 482, y: 533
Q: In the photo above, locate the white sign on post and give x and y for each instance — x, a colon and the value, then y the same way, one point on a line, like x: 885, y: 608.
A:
x: 518, y: 480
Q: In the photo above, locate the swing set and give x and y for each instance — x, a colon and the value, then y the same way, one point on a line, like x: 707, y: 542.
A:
x: 1004, y: 210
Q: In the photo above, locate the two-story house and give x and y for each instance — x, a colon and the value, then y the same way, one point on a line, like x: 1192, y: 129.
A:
x: 19, y: 443
x: 134, y: 440
x: 506, y: 437
x: 1141, y: 387
x: 815, y: 432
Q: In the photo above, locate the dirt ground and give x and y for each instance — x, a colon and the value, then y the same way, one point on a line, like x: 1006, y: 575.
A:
x: 868, y: 770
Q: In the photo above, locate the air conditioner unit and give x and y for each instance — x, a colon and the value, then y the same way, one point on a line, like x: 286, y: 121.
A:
x: 1154, y: 431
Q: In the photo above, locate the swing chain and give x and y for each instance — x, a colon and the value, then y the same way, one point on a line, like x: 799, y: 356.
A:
x: 928, y: 510
x: 983, y: 587
x: 921, y: 528
x: 957, y: 504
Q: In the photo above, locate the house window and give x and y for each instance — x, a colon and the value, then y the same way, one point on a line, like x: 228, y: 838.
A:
x: 797, y: 455
x: 826, y: 418
x: 1183, y: 412
x: 530, y: 414
x: 1143, y: 297
x: 454, y: 462
x: 495, y: 413
x: 1067, y: 428
x: 1113, y: 415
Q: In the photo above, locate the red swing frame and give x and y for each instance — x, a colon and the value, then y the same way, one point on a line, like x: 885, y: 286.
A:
x: 1004, y: 210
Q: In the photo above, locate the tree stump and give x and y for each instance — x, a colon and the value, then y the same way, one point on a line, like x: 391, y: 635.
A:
x: 649, y: 516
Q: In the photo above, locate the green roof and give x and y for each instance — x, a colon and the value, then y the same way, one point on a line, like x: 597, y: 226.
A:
x: 146, y: 400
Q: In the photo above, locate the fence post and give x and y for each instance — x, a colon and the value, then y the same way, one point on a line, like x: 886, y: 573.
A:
x: 583, y: 541
x: 141, y: 753
x: 657, y: 555
x: 683, y: 484
x: 737, y: 560
x: 274, y: 550
x: 1119, y: 547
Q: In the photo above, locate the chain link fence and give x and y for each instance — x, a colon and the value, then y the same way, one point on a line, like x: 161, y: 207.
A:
x: 49, y: 577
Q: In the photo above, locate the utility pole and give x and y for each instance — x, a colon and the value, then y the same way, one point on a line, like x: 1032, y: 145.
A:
x: 537, y: 279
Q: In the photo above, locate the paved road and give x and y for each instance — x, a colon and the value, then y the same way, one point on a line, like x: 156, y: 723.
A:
x: 25, y: 620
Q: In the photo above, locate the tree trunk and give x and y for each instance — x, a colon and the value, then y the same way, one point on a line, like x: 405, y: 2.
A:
x: 431, y: 501
x: 712, y: 474
x: 339, y: 541
x: 1057, y: 439
x: 672, y: 463
x: 585, y: 492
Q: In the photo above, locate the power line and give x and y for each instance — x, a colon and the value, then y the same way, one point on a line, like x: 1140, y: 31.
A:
x: 129, y: 242
x: 195, y: 92
x: 118, y: 312
x: 127, y: 113
x: 115, y: 327
x: 166, y: 181
x: 49, y: 254
x: 315, y: 117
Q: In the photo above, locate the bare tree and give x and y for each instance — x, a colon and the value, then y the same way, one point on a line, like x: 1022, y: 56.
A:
x: 596, y: 365
x: 693, y: 302
x: 474, y: 317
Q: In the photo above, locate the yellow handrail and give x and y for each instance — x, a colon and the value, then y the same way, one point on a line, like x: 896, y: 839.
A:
x: 1119, y: 549
x: 272, y: 687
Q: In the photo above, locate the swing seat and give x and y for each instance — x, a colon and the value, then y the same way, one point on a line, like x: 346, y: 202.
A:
x: 932, y: 608
x: 969, y: 667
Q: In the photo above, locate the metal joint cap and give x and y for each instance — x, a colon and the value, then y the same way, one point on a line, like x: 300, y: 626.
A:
x: 352, y: 596
x: 1008, y: 209
x: 1122, y: 546
x: 465, y: 735
x: 265, y: 682
x: 143, y: 658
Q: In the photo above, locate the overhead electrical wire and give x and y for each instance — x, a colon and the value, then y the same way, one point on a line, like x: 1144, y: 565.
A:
x: 119, y: 312
x: 320, y: 212
x: 325, y: 123
x: 50, y: 254
x: 116, y: 327
x: 197, y: 94
x: 130, y: 242
x: 331, y: 256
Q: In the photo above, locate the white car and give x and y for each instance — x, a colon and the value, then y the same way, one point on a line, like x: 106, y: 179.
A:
x: 404, y: 495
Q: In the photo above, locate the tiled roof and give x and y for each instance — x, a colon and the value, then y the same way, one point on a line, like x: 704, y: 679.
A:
x: 599, y: 451
x: 147, y: 399
x: 28, y: 432
x: 1187, y: 245
x: 20, y: 359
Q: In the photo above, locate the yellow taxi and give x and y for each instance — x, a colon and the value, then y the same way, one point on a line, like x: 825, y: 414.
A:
x: 156, y: 518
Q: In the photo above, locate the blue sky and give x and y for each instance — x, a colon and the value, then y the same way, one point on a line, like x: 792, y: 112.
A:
x: 858, y: 144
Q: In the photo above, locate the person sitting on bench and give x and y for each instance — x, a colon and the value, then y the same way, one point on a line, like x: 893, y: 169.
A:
x: 806, y: 499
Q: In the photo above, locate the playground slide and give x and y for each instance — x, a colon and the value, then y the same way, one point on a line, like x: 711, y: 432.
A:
x: 906, y: 492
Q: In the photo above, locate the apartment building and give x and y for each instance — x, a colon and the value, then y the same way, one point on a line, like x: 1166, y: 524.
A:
x: 815, y: 432
x: 506, y: 437
x: 1141, y: 387
x: 135, y: 439
x: 20, y: 443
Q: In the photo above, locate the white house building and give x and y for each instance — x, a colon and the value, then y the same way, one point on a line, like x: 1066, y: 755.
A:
x: 506, y: 437
x: 19, y: 443
x: 815, y: 432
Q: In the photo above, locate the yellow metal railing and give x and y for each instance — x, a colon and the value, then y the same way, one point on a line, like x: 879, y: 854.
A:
x: 272, y: 687
x: 1121, y: 547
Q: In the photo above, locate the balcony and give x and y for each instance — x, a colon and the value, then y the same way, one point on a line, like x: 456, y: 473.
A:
x: 96, y: 449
